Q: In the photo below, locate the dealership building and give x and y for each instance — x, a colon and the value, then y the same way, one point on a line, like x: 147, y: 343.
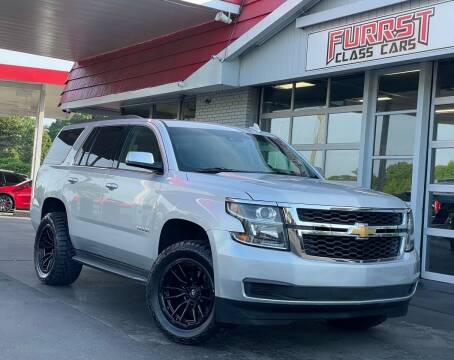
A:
x: 363, y: 89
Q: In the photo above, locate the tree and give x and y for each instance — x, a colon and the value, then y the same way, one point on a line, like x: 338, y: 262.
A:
x: 16, y: 143
x: 59, y: 124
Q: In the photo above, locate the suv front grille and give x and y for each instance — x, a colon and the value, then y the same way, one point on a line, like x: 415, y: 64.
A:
x: 347, y: 234
x: 343, y: 217
x: 352, y: 248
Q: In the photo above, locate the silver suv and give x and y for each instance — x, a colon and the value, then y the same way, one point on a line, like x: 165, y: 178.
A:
x: 222, y: 225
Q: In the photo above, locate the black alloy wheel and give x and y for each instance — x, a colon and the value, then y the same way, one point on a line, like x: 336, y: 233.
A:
x: 6, y: 203
x: 45, y: 251
x: 53, y: 251
x: 181, y: 293
x: 186, y: 293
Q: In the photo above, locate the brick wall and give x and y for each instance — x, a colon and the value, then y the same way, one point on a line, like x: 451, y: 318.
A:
x: 237, y: 107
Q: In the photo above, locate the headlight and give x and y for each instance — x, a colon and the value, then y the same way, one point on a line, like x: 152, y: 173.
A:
x: 410, y: 241
x: 262, y: 224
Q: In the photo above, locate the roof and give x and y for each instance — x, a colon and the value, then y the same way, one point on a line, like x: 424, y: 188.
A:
x: 79, y: 29
x: 167, y: 59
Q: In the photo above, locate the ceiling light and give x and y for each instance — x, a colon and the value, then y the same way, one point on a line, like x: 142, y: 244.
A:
x: 284, y: 87
x: 303, y: 84
x: 445, y: 111
x: 384, y: 98
x: 403, y: 72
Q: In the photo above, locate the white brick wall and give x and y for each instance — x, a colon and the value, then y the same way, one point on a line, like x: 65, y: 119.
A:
x: 237, y: 107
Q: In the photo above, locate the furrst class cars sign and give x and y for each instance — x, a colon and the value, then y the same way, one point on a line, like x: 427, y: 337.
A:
x: 413, y: 31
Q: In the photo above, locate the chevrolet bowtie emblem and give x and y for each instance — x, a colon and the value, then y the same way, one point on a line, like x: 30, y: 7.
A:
x: 362, y: 230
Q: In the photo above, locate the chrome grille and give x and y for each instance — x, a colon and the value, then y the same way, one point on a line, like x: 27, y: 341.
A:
x: 350, y: 217
x: 347, y: 234
x: 351, y: 248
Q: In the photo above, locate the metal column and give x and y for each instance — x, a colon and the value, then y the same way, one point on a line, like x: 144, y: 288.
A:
x: 39, y: 129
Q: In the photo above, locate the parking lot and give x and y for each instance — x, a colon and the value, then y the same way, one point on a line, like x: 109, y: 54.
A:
x: 104, y: 317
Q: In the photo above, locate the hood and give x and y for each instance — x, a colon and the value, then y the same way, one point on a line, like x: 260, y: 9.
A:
x: 298, y: 190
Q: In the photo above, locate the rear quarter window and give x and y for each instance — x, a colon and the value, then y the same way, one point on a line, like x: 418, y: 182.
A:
x: 62, y: 145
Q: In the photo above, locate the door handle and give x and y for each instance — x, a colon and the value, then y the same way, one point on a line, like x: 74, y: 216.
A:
x: 112, y: 186
x: 73, y: 180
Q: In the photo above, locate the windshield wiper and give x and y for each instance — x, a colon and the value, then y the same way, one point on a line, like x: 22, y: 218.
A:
x: 215, y: 170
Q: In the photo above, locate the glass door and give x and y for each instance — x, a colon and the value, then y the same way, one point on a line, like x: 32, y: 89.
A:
x: 438, y: 249
x: 394, y: 127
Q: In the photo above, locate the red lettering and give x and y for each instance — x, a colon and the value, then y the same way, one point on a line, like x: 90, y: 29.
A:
x: 334, y: 38
x: 368, y: 34
x: 351, y: 38
x: 385, y: 30
x: 405, y: 26
x: 424, y: 24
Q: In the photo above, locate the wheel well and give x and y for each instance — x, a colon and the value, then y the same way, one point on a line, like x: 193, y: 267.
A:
x: 52, y: 205
x: 177, y: 230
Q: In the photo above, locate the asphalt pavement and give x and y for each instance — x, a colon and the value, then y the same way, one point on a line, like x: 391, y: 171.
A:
x: 103, y: 316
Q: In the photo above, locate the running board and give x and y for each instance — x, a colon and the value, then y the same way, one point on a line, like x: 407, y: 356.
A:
x: 111, y: 266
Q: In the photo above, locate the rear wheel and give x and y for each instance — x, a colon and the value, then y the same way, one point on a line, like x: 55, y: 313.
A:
x: 360, y: 323
x: 180, y: 292
x: 53, y: 252
x: 6, y: 203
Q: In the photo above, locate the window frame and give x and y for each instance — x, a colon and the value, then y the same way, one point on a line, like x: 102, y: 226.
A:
x: 79, y: 154
x: 126, y: 142
x: 326, y: 111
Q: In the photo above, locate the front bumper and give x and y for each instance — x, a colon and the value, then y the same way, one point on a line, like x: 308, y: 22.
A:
x: 250, y: 313
x: 333, y: 282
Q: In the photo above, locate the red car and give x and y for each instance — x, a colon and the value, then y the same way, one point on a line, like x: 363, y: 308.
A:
x: 16, y: 196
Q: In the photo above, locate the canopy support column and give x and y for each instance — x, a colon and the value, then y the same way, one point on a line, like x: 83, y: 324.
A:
x: 39, y: 129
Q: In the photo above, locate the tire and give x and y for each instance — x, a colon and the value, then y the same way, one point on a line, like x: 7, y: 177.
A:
x: 6, y: 203
x: 53, y: 252
x: 356, y: 324
x: 178, y: 292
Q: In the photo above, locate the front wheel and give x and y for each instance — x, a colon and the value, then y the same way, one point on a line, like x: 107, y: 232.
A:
x: 360, y: 323
x: 6, y: 203
x: 180, y: 292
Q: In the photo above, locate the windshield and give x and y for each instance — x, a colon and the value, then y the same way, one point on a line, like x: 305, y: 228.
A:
x: 214, y: 150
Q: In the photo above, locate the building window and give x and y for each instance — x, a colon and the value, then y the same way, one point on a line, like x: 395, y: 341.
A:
x: 188, y: 107
x: 182, y: 109
x: 165, y: 110
x: 322, y: 119
x: 395, y: 126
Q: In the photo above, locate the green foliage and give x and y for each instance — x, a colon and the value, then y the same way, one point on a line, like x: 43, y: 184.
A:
x: 16, y: 143
x: 397, y: 179
x: 59, y: 124
x: 444, y: 172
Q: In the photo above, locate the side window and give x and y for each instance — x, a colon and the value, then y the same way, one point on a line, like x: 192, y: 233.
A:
x: 82, y: 156
x: 13, y: 179
x: 141, y: 139
x: 105, y: 147
x: 2, y: 179
x: 62, y: 145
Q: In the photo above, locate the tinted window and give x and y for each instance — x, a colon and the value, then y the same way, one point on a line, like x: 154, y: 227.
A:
x: 2, y: 179
x: 398, y: 91
x: 86, y: 147
x: 347, y: 90
x: 311, y: 93
x: 278, y: 97
x: 13, y: 179
x: 141, y: 139
x: 105, y: 147
x: 213, y: 150
x: 62, y: 145
x: 445, y: 82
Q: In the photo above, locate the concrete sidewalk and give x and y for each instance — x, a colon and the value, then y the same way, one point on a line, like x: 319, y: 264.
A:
x: 103, y: 316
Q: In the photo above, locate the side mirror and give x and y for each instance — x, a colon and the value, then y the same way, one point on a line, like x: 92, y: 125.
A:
x: 320, y: 171
x: 144, y: 160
